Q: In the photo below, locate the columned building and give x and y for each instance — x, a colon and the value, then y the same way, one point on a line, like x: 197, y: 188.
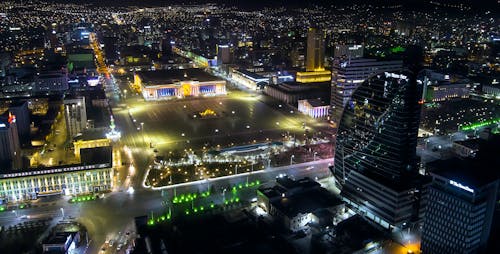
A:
x: 171, y: 84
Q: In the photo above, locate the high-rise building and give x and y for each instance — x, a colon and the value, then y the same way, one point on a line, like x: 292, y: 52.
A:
x: 315, y: 55
x: 348, y: 74
x: 348, y: 51
x: 76, y: 116
x: 21, y: 111
x: 460, y: 206
x: 10, y: 148
x: 223, y: 54
x: 315, y: 59
x: 376, y: 149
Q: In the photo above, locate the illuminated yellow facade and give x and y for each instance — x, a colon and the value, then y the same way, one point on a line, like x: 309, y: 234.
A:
x: 64, y: 180
x: 313, y: 76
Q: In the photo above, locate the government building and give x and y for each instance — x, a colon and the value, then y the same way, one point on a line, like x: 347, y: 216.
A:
x: 93, y: 174
x: 178, y: 83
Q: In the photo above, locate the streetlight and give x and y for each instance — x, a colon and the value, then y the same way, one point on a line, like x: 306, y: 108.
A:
x: 224, y: 195
x: 15, y: 213
x: 291, y: 159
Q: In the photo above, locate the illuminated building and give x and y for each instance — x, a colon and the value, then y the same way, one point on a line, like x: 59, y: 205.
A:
x: 75, y: 114
x: 348, y: 74
x: 292, y: 92
x: 315, y: 59
x: 314, y: 108
x: 375, y: 153
x: 90, y: 139
x: 348, y: 51
x: 460, y: 206
x: 94, y: 174
x: 315, y: 55
x: 492, y: 89
x: 168, y: 84
x: 249, y: 79
x: 313, y: 76
x: 440, y: 87
x: 10, y: 148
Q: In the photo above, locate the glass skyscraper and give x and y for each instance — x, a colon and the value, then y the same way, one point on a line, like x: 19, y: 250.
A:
x: 375, y: 158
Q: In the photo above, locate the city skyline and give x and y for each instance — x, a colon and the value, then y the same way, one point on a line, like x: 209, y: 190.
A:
x: 249, y: 127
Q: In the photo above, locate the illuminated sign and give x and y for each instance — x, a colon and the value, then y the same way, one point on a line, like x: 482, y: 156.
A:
x: 2, y: 125
x: 463, y: 187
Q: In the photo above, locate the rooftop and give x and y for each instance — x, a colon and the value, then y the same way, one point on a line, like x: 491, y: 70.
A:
x: 306, y: 202
x: 170, y: 76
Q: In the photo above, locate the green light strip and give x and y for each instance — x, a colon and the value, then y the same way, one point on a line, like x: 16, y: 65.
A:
x: 480, y: 124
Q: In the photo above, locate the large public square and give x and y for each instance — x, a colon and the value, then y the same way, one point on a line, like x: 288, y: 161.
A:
x: 242, y: 118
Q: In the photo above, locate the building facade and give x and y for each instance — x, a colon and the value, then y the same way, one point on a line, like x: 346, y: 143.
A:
x: 315, y: 56
x: 170, y: 84
x: 375, y: 156
x: 51, y: 82
x: 292, y: 92
x: 348, y: 51
x: 10, y: 147
x: 459, y: 210
x: 65, y: 180
x: 75, y: 114
x: 348, y: 74
x: 21, y: 111
x: 313, y: 108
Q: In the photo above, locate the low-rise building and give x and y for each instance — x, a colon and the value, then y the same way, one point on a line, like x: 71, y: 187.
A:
x: 168, y: 84
x: 292, y: 92
x: 93, y: 174
x: 466, y: 148
x: 314, y: 108
x: 297, y: 204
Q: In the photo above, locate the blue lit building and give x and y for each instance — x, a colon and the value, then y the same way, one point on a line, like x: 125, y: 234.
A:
x: 461, y: 204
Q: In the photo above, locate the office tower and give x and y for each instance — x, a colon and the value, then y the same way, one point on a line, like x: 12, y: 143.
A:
x: 10, y: 148
x: 21, y: 111
x: 348, y: 74
x: 460, y: 206
x: 223, y: 54
x: 75, y: 115
x: 348, y: 51
x: 375, y: 149
x: 315, y: 55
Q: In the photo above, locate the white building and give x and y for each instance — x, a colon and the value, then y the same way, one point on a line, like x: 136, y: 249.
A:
x: 75, y: 114
x: 314, y: 108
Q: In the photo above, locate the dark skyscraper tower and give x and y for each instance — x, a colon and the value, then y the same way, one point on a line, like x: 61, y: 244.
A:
x: 20, y: 110
x: 375, y: 148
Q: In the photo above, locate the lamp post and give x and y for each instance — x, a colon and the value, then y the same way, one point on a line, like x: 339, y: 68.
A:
x: 291, y: 159
x: 314, y: 156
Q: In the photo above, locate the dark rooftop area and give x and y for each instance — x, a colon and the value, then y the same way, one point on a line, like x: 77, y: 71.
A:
x: 213, y: 234
x: 96, y: 155
x: 159, y: 77
x: 473, y: 172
